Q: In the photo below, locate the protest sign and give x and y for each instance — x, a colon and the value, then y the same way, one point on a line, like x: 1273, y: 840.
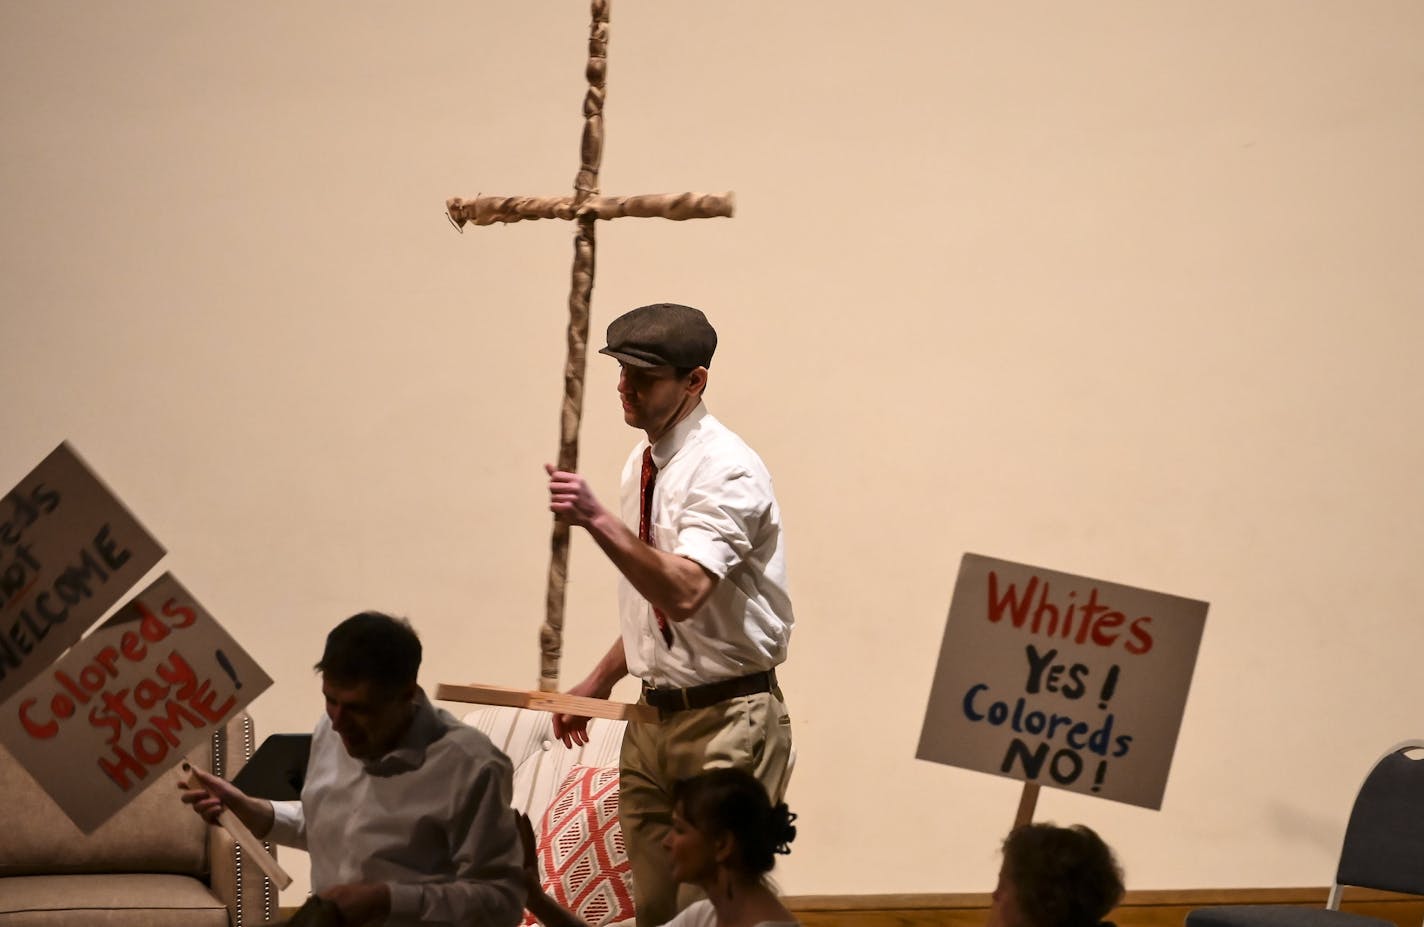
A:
x: 128, y: 702
x: 68, y: 551
x: 1061, y: 680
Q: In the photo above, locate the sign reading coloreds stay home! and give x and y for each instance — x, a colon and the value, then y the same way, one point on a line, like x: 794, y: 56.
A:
x: 1061, y: 680
x: 126, y: 703
x: 69, y: 550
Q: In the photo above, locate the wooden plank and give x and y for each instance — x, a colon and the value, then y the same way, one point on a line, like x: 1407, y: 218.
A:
x: 1150, y: 908
x: 1138, y: 909
x: 559, y: 702
x: 891, y: 902
x: 252, y: 848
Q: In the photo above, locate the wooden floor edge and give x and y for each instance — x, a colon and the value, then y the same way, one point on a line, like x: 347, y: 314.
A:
x: 1190, y: 897
x: 1145, y: 908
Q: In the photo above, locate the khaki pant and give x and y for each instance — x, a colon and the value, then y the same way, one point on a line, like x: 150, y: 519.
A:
x: 751, y: 732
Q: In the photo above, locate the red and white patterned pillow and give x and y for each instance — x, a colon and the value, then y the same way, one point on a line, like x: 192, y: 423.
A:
x: 583, y: 862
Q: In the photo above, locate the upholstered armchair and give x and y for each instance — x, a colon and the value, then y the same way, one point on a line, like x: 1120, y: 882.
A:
x: 153, y: 864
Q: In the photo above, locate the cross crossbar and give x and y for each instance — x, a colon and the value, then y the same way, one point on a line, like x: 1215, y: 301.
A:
x: 487, y: 210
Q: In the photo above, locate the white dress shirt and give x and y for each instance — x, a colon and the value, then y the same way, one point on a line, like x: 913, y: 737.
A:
x: 431, y: 818
x: 713, y: 502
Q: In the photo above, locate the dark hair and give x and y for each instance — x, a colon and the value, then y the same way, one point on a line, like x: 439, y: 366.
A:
x: 372, y: 647
x: 1062, y: 876
x: 721, y: 801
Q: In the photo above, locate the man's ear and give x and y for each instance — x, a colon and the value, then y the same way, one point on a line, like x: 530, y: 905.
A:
x: 697, y: 381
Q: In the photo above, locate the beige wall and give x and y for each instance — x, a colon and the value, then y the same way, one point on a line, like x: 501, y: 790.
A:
x: 1123, y: 289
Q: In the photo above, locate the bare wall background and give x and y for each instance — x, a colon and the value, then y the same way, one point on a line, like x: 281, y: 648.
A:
x: 1128, y: 289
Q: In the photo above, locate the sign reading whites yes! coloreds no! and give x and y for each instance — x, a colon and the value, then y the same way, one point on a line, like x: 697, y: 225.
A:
x: 68, y: 551
x: 1061, y: 680
x: 128, y: 702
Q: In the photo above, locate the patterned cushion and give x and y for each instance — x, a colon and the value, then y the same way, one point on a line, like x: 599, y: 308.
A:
x: 582, y: 860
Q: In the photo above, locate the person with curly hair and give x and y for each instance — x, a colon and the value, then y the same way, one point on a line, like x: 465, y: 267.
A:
x: 1055, y: 877
x: 725, y: 837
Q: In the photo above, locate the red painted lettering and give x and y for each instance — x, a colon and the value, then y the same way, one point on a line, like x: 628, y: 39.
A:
x: 64, y: 680
x: 150, y: 746
x: 1141, y: 641
x: 180, y: 674
x: 62, y: 706
x: 172, y: 722
x: 91, y: 678
x: 1090, y: 610
x: 119, y: 768
x: 1109, y: 621
x: 174, y: 610
x: 115, y: 715
x: 203, y: 700
x: 152, y: 629
x: 1047, y: 607
x: 1018, y: 610
x: 132, y: 646
x: 107, y: 658
x: 149, y: 693
x: 1033, y: 610
x: 37, y: 731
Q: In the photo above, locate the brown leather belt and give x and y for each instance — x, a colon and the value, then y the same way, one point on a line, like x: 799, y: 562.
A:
x: 709, y: 694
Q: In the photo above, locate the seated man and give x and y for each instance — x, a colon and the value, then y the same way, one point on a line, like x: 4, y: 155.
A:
x: 1055, y: 877
x: 405, y: 811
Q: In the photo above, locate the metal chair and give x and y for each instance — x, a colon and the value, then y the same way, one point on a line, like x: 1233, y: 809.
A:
x: 1383, y: 849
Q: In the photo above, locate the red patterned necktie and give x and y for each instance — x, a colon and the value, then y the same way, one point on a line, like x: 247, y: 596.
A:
x: 645, y: 526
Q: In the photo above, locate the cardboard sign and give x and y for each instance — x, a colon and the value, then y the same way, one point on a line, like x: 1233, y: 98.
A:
x: 128, y: 702
x: 1062, y: 680
x: 68, y: 551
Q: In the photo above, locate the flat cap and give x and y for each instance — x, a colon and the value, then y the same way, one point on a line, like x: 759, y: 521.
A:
x: 662, y: 335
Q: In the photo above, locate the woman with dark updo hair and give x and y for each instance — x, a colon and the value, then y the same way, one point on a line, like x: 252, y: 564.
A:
x: 724, y: 839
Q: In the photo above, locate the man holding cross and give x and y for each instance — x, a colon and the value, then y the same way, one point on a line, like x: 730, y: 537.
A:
x: 405, y: 811
x: 703, y: 604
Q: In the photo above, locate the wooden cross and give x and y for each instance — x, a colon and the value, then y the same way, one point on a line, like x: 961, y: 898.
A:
x: 584, y: 208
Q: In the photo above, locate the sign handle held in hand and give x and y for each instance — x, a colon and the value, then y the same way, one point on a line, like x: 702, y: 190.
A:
x: 249, y: 843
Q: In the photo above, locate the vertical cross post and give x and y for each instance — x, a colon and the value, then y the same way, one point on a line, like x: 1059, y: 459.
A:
x: 584, y: 209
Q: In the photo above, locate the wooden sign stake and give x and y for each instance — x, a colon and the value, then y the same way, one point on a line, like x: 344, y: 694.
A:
x: 252, y: 848
x: 1028, y: 801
